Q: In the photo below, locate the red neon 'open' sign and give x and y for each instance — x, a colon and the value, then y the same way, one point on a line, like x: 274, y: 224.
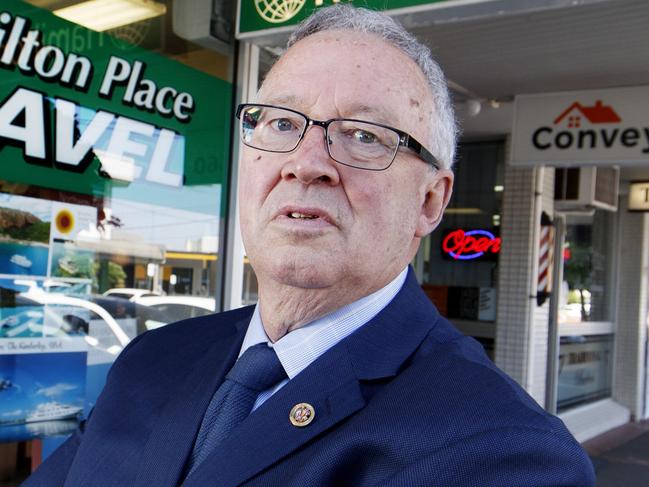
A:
x: 470, y: 245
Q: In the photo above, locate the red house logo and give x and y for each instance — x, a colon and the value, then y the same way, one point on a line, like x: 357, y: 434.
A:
x: 598, y: 113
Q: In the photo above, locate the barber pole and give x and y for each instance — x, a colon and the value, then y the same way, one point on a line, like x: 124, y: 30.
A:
x: 545, y: 262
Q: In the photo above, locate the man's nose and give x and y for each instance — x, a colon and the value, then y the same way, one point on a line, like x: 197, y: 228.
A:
x: 311, y: 162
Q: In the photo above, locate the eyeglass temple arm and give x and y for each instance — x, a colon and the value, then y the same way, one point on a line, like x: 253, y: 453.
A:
x: 411, y: 143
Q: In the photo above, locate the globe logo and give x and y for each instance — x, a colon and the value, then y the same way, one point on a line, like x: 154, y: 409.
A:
x: 278, y: 11
x: 129, y: 36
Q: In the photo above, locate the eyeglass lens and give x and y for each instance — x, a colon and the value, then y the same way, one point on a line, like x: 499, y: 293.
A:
x: 350, y: 142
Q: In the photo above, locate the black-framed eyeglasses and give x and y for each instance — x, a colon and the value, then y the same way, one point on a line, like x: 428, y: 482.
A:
x: 354, y: 143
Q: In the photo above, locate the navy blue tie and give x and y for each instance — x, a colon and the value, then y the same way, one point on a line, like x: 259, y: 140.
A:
x: 255, y: 371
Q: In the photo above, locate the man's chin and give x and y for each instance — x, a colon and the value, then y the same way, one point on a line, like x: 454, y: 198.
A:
x: 304, y: 275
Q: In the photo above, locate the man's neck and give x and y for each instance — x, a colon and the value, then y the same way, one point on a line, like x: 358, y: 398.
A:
x: 285, y: 308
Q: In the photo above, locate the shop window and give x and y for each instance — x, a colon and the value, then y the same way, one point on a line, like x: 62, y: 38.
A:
x: 587, y: 268
x: 585, y: 365
x: 459, y: 260
x: 585, y: 361
x: 115, y: 157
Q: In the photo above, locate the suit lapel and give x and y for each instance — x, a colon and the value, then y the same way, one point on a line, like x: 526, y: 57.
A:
x: 331, y: 385
x: 170, y: 443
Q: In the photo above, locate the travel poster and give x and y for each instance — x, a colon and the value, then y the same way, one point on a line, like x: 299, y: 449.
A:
x: 24, y: 235
x: 41, y: 394
x: 69, y: 261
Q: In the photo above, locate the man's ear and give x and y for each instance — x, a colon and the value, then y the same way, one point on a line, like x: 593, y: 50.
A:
x: 437, y: 194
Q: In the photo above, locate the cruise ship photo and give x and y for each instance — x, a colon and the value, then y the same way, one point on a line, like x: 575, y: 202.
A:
x: 51, y: 411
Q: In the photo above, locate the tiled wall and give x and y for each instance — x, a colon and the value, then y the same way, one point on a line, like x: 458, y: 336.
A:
x: 515, y: 265
x: 522, y: 326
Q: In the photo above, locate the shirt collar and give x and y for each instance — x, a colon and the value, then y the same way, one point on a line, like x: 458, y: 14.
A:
x: 299, y: 348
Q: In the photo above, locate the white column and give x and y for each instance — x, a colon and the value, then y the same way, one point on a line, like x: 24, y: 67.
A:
x: 629, y: 369
x: 249, y: 76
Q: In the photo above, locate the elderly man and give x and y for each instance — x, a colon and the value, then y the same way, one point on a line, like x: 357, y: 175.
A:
x: 344, y: 373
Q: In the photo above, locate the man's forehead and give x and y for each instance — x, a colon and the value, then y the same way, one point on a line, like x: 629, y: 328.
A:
x: 361, y: 74
x: 332, y: 48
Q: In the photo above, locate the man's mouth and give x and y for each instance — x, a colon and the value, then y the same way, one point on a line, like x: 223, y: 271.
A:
x: 301, y: 216
x: 311, y: 216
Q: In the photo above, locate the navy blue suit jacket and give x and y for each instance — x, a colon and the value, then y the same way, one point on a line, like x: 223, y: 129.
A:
x: 406, y: 400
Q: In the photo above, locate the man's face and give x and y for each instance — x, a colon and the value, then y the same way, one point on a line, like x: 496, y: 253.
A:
x: 367, y: 224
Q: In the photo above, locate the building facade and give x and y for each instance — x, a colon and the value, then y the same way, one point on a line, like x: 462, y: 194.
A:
x: 534, y: 257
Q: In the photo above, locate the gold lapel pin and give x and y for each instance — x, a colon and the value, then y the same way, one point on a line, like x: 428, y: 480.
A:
x: 302, y: 414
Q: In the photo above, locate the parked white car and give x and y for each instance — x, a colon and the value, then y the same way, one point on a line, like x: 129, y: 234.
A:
x: 176, y: 308
x: 40, y: 314
x: 129, y: 293
x: 50, y: 300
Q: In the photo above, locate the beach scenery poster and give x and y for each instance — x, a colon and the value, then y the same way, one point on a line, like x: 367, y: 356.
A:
x: 24, y: 235
x: 41, y: 394
x: 70, y: 261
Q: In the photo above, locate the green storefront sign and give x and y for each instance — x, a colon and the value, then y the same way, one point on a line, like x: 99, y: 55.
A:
x: 81, y: 111
x: 256, y: 16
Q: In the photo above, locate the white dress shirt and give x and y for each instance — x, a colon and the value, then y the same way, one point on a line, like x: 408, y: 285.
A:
x: 299, y: 348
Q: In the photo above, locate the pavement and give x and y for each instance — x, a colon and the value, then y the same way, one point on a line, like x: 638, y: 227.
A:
x: 621, y: 456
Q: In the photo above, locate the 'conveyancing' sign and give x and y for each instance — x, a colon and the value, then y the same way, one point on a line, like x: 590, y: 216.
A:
x: 600, y: 127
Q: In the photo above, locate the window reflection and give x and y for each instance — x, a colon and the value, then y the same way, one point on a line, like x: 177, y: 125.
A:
x: 584, y: 369
x: 587, y: 257
x: 460, y: 258
x: 111, y: 262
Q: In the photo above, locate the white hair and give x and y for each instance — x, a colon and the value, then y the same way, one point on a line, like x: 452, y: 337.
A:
x: 443, y: 128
